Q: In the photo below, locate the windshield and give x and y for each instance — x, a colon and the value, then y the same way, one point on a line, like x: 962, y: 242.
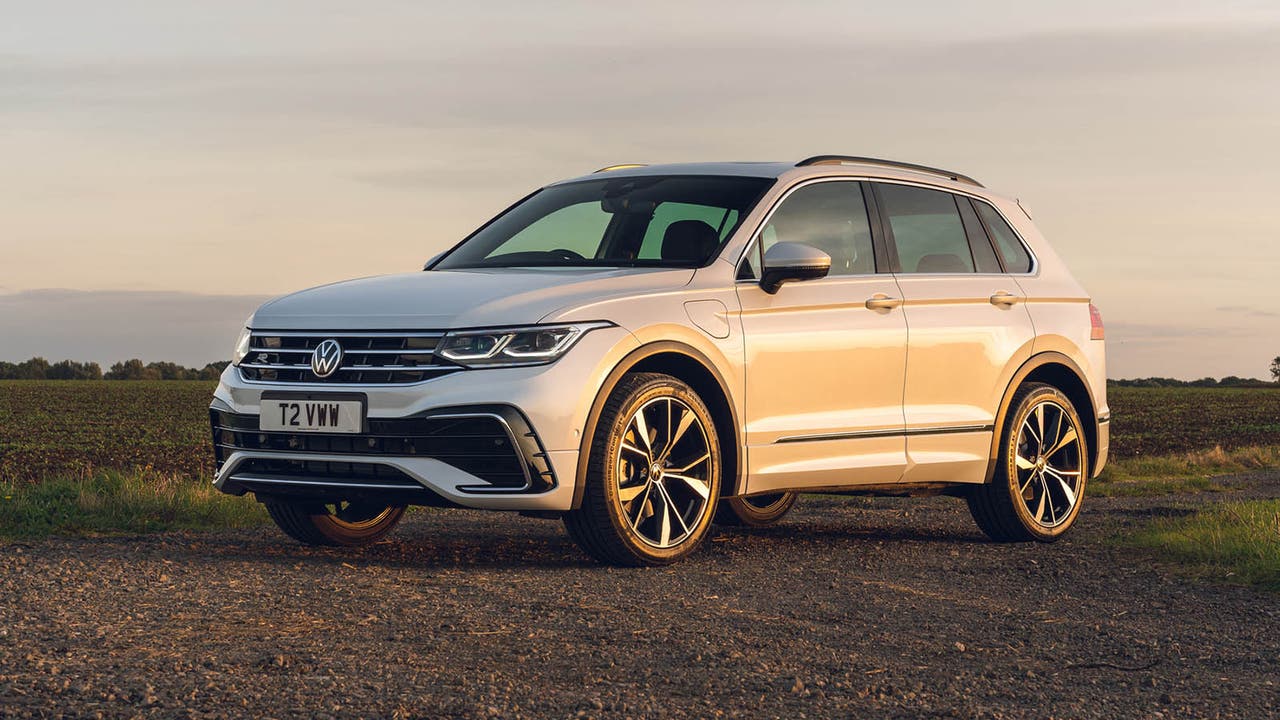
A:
x: 647, y: 221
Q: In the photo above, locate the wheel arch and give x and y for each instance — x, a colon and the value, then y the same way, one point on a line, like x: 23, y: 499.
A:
x: 691, y: 366
x: 1060, y: 371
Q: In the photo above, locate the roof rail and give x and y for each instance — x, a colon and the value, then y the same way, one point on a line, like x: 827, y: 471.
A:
x: 838, y: 159
x: 622, y: 166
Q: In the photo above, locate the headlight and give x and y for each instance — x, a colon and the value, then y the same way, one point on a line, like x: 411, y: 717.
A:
x: 534, y: 345
x: 242, y: 347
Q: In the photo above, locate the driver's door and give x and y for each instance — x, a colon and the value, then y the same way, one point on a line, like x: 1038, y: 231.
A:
x: 824, y: 370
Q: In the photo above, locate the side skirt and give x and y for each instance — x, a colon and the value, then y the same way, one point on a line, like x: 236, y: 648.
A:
x: 895, y: 490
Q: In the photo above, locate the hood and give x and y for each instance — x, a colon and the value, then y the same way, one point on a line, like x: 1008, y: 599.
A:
x: 446, y: 299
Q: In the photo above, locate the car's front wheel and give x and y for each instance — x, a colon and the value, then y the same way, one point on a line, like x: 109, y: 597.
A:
x: 653, y: 475
x: 1041, y: 471
x: 335, y: 523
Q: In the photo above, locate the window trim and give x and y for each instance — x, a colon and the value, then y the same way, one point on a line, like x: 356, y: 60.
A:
x: 1035, y: 261
x: 873, y: 224
x: 877, y: 225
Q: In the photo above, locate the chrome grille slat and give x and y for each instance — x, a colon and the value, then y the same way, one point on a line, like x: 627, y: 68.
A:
x: 320, y: 334
x: 368, y: 357
x: 349, y: 351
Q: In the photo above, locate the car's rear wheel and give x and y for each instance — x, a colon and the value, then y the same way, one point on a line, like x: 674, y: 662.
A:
x: 653, y: 474
x: 756, y: 510
x: 334, y: 523
x: 1039, y: 481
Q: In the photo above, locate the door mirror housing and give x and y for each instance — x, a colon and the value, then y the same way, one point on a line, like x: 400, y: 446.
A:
x: 791, y: 261
x: 427, y: 265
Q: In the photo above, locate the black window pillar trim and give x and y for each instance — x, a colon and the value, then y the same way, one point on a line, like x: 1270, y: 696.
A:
x: 879, y: 241
x: 977, y: 232
x: 991, y: 238
x: 890, y: 246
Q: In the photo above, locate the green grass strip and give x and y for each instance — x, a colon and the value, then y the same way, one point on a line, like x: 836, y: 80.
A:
x: 1234, y: 541
x: 113, y: 502
x: 1181, y: 472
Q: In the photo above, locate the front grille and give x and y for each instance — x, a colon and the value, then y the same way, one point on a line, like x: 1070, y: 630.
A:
x: 368, y: 358
x: 494, y: 444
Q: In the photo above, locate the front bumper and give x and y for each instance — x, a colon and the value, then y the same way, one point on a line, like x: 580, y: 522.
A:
x: 469, y: 456
x: 434, y: 458
x: 544, y: 408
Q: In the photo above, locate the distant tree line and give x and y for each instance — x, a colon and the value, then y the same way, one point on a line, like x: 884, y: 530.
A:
x: 1228, y: 381
x: 37, y: 368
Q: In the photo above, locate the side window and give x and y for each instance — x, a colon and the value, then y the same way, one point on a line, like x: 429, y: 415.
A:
x: 723, y: 220
x: 830, y: 216
x: 927, y: 229
x: 578, y: 227
x: 1016, y: 258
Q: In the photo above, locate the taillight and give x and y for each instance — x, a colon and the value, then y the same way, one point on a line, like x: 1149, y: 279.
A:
x: 1096, y: 331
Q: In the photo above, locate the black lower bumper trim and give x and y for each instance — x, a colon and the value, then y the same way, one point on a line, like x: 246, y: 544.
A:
x: 492, y: 442
x: 281, y: 477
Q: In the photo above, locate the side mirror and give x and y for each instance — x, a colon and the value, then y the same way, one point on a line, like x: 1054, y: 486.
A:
x: 788, y: 261
x: 427, y: 265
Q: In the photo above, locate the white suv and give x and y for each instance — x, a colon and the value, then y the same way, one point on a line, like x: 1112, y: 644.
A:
x: 648, y: 349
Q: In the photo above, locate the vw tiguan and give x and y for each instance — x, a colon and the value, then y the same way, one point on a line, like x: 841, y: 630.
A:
x: 647, y: 350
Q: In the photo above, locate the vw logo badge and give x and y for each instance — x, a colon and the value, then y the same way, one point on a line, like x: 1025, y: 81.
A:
x: 326, y: 358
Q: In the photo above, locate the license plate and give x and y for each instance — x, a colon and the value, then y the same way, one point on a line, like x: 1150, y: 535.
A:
x: 312, y: 415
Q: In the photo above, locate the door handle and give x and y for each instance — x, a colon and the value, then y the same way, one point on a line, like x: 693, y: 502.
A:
x: 1004, y: 299
x: 880, y: 301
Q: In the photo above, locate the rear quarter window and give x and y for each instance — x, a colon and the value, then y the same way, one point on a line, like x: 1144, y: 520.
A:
x: 1016, y: 257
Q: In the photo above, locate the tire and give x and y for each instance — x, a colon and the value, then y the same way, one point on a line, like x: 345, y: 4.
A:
x: 1037, y: 489
x: 757, y: 511
x: 336, y: 524
x: 648, y: 500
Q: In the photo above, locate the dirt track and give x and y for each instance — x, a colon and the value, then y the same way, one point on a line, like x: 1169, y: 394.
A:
x: 884, y: 608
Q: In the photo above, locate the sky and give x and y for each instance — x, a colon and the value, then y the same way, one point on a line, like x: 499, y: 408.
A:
x: 164, y: 167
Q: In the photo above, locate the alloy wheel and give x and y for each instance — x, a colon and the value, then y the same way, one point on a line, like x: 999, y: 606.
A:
x: 663, y: 472
x: 1049, y: 462
x: 357, y: 515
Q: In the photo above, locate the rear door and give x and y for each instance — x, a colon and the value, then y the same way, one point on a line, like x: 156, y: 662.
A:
x: 968, y: 327
x: 824, y: 371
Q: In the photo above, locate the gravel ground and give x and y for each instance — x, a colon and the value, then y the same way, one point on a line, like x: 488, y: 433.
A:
x: 851, y: 607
